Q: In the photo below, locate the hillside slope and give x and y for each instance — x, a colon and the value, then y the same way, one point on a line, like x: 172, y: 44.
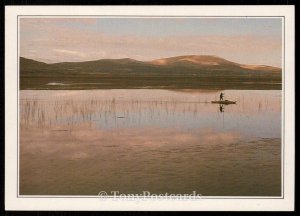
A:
x: 171, y: 73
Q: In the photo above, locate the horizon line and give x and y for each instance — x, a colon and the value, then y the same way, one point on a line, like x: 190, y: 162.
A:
x: 148, y: 60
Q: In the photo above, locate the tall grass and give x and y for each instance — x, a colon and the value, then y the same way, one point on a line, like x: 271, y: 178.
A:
x: 70, y: 110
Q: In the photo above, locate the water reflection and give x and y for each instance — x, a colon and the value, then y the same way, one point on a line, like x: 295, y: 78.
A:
x: 256, y: 114
x: 221, y: 107
x: 82, y: 142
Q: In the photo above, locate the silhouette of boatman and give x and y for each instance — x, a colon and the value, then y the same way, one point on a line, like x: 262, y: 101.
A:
x: 221, y: 96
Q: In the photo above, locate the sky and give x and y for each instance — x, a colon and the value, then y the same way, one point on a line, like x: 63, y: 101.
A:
x: 255, y: 41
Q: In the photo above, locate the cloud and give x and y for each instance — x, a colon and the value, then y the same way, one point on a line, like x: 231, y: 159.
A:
x: 69, y: 52
x: 55, y: 43
x: 55, y: 21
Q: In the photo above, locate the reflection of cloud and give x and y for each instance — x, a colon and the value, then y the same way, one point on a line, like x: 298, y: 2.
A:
x: 211, y: 137
x: 68, y: 163
x: 83, y: 141
x: 47, y: 36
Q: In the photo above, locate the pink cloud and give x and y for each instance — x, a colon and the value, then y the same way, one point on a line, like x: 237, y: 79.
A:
x: 54, y: 21
x: 85, y: 45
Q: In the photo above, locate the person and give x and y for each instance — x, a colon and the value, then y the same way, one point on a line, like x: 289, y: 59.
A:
x: 221, y: 96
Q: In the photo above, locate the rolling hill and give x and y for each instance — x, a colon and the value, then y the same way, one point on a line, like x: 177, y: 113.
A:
x: 180, y: 72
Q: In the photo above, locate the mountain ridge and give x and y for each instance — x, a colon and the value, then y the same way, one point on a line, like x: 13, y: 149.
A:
x: 200, y: 60
x: 189, y: 71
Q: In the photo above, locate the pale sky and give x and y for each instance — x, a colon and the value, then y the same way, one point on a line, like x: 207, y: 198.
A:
x: 242, y: 40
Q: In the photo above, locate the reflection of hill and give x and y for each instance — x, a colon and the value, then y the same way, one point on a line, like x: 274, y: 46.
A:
x: 182, y: 72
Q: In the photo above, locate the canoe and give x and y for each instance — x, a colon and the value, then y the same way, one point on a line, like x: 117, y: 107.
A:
x: 224, y: 102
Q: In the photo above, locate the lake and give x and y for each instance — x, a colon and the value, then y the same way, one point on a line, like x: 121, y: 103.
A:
x: 81, y: 142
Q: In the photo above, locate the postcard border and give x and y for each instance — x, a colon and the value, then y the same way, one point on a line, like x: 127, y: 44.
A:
x: 204, y: 197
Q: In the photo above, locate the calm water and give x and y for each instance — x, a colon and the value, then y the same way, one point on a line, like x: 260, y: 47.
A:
x: 84, y: 142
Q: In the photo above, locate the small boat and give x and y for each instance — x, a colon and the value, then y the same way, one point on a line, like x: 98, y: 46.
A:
x: 224, y: 102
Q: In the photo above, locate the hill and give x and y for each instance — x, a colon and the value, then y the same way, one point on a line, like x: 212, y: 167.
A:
x: 180, y: 72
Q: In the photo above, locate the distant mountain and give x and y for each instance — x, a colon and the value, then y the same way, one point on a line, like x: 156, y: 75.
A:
x: 212, y: 62
x: 261, y: 68
x: 203, y: 60
x: 191, y: 71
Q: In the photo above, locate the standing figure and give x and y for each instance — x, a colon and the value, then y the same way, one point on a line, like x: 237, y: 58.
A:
x: 221, y: 96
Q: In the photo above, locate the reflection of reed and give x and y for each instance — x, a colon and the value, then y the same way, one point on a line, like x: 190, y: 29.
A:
x: 39, y: 112
x: 70, y: 110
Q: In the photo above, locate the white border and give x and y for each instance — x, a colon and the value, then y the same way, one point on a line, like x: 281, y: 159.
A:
x: 12, y: 202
